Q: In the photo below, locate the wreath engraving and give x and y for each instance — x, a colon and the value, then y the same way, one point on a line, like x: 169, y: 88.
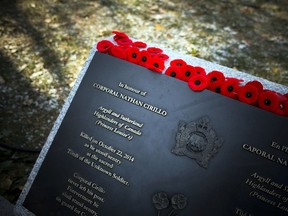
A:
x: 171, y: 206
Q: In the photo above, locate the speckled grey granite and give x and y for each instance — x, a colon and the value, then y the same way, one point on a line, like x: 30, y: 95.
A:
x: 208, y: 66
x: 19, y: 209
x: 6, y: 208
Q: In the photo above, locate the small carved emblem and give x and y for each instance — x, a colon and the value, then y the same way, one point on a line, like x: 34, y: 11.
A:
x: 197, y: 140
x: 169, y: 206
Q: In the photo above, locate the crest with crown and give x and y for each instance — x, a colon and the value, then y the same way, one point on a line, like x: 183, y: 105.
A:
x: 197, y: 140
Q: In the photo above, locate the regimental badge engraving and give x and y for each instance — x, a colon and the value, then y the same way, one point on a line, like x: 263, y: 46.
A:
x: 197, y: 140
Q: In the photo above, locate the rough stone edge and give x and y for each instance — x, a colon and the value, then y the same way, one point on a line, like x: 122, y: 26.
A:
x: 6, y: 208
x: 208, y: 66
x: 19, y: 209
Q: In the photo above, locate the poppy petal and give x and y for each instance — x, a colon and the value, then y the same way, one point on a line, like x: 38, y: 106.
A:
x: 161, y: 56
x: 178, y: 63
x: 199, y: 70
x: 124, y: 41
x: 215, y: 76
x: 104, y: 46
x: 145, y: 58
x: 118, y: 35
x: 154, y: 50
x: 283, y: 105
x: 257, y: 84
x: 230, y: 88
x: 248, y: 94
x: 156, y: 65
x: 198, y: 82
x: 268, y: 100
x: 139, y: 44
x: 187, y: 72
x: 133, y: 55
x: 175, y: 72
x: 215, y: 86
x: 118, y: 51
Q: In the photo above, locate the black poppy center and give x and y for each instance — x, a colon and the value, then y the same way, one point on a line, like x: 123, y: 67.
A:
x: 134, y: 55
x: 179, y: 64
x: 105, y: 47
x: 173, y: 74
x: 144, y: 58
x: 267, y: 102
x: 187, y: 73
x: 197, y: 82
x: 217, y: 89
x: 248, y: 94
x: 156, y: 64
x: 230, y: 88
x: 213, y: 79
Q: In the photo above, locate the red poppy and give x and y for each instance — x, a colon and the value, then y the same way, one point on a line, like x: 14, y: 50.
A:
x: 161, y: 56
x: 124, y: 47
x: 234, y: 79
x: 215, y: 86
x: 187, y: 72
x: 118, y: 35
x: 104, y: 46
x: 118, y: 52
x: 248, y: 94
x: 124, y: 41
x: 178, y: 63
x: 154, y: 50
x: 215, y: 76
x: 139, y: 44
x: 268, y: 100
x: 156, y: 65
x: 175, y: 72
x: 133, y: 55
x: 286, y: 95
x: 230, y: 88
x: 283, y: 105
x: 145, y: 58
x: 257, y: 84
x: 198, y: 82
x: 199, y: 70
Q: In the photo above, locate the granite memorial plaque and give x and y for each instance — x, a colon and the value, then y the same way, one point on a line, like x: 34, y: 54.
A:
x: 135, y: 142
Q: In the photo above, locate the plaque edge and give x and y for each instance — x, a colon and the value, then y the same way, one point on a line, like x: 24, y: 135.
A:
x: 19, y: 209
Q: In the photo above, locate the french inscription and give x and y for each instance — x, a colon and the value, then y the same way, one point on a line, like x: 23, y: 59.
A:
x: 268, y: 191
x: 266, y: 155
x: 282, y: 148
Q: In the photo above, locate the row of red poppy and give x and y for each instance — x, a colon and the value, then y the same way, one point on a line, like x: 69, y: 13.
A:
x: 198, y: 79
